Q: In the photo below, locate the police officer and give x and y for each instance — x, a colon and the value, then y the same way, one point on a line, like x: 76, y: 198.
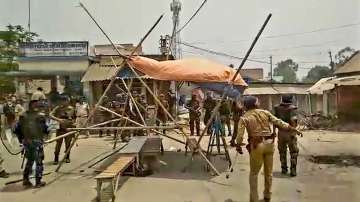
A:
x: 225, y: 113
x: 257, y: 123
x: 31, y: 131
x: 209, y: 105
x: 161, y: 115
x: 65, y: 115
x: 237, y: 112
x: 194, y: 111
x: 286, y: 111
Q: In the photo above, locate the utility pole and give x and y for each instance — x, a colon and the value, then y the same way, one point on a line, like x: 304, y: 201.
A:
x: 175, y: 7
x: 332, y: 64
x: 29, y: 17
x: 271, y: 70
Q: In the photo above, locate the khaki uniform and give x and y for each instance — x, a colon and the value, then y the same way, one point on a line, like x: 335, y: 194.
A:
x: 257, y: 122
x: 287, y: 112
x: 82, y: 112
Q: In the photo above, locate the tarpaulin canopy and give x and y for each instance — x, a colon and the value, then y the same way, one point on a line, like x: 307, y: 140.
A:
x: 191, y: 70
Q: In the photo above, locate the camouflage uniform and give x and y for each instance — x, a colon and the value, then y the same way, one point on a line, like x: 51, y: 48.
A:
x: 209, y: 105
x: 261, y: 147
x: 161, y: 115
x: 67, y: 113
x: 194, y: 112
x: 237, y: 112
x: 225, y: 113
x: 31, y: 131
x: 287, y: 113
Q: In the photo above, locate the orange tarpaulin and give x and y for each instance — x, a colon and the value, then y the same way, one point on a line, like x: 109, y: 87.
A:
x: 192, y: 70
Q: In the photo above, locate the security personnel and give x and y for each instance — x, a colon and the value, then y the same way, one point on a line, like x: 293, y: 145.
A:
x: 194, y: 111
x: 65, y: 115
x: 161, y: 115
x: 141, y: 103
x: 209, y: 105
x: 286, y: 111
x: 225, y: 114
x: 258, y: 122
x: 31, y: 130
x: 237, y: 112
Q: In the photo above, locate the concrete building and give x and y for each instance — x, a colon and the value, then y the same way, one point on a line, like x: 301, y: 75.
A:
x: 341, y: 93
x: 270, y: 94
x: 51, y: 65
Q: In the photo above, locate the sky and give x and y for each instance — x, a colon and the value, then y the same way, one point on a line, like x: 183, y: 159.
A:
x: 304, y: 31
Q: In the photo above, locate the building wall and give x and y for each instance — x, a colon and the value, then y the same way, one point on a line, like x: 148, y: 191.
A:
x: 48, y: 66
x: 348, y: 98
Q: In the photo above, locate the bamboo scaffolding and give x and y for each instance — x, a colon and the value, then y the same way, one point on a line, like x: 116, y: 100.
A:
x: 113, y: 78
x: 73, y: 132
x: 216, y: 109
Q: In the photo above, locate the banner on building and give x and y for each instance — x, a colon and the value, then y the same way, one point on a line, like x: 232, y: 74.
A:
x: 45, y: 49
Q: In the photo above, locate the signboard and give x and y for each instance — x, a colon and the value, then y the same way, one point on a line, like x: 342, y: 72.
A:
x: 63, y: 49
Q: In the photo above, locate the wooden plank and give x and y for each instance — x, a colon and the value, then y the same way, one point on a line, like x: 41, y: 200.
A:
x: 152, y: 145
x: 134, y: 146
x: 120, y: 165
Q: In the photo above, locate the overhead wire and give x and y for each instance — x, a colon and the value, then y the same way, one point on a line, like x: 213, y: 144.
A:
x: 291, y: 34
x: 192, y: 17
x: 221, y: 53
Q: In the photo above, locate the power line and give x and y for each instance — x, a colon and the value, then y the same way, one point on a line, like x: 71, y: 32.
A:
x: 220, y: 53
x: 293, y: 34
x: 192, y: 17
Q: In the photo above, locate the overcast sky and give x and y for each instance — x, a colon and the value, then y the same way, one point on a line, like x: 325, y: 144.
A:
x: 222, y: 25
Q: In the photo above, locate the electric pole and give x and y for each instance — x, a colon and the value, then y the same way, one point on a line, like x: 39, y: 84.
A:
x: 29, y: 17
x: 332, y: 64
x: 175, y: 7
x: 271, y: 70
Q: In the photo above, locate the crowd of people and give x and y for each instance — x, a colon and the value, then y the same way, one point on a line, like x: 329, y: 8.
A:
x: 31, y: 124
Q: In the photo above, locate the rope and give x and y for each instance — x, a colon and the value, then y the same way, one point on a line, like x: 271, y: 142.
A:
x: 3, y: 143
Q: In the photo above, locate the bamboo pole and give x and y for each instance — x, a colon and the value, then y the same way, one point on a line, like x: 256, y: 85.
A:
x: 133, y: 101
x: 125, y: 128
x: 113, y: 78
x: 136, y: 123
x: 216, y: 109
x: 123, y: 113
x: 172, y: 118
x: 73, y: 132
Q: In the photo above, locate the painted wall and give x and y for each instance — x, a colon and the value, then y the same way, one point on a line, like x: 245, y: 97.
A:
x: 48, y: 66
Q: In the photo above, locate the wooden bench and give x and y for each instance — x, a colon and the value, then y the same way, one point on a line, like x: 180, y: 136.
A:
x: 112, y: 175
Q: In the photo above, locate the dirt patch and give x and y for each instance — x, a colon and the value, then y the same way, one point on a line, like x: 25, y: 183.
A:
x: 339, y: 160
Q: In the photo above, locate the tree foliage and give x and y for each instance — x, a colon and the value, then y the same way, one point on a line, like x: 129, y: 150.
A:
x: 9, y: 49
x: 316, y: 73
x: 287, y: 69
x: 343, y: 55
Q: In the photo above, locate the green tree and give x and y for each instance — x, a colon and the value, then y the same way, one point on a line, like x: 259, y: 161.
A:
x: 316, y: 73
x: 9, y: 50
x: 287, y: 69
x: 343, y: 55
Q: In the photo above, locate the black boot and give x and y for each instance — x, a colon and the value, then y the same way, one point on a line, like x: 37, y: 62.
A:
x: 284, y: 170
x: 293, y: 171
x: 39, y: 183
x: 26, y: 182
x: 56, y: 159
x: 67, y: 159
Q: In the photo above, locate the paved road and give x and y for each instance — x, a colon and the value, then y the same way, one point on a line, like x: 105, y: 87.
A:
x: 331, y: 180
